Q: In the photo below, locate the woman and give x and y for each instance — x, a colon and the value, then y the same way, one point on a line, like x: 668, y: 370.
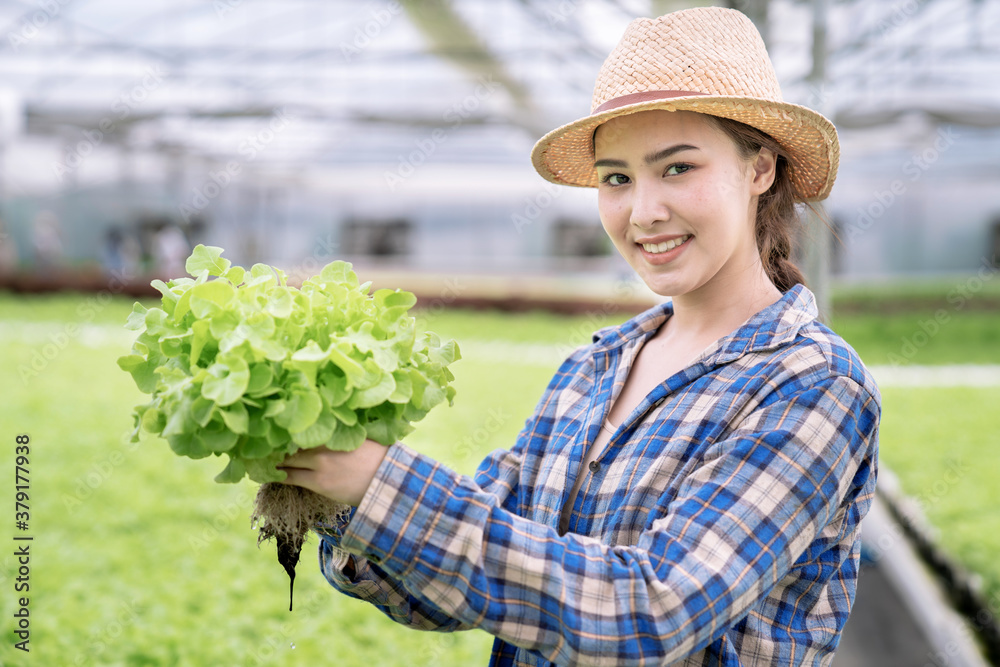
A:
x: 690, y: 487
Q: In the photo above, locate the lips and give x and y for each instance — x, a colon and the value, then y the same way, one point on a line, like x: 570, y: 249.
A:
x: 663, y: 250
x: 656, y: 247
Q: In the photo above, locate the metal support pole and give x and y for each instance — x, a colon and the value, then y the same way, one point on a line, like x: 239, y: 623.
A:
x: 816, y: 242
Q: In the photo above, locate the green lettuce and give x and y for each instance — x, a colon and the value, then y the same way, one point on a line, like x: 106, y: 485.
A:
x: 239, y: 363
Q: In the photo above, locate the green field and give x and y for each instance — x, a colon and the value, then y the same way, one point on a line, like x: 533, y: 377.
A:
x: 139, y: 558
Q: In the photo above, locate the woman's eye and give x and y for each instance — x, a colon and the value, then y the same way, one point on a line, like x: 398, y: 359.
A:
x: 616, y: 179
x: 677, y: 169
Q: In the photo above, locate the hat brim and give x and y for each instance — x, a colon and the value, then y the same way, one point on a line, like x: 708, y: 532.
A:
x: 566, y: 154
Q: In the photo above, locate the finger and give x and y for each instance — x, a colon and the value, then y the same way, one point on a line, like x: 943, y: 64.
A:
x: 299, y: 477
x: 304, y: 458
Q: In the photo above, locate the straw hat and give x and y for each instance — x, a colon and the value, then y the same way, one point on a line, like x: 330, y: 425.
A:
x: 710, y: 60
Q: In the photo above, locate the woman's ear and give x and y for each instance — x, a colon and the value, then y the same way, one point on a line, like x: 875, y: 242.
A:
x: 764, y: 171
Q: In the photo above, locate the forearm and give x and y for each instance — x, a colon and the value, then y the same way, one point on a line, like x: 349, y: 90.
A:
x: 355, y: 576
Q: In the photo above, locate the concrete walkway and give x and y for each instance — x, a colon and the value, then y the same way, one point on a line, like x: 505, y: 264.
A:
x: 880, y: 631
x: 901, y: 617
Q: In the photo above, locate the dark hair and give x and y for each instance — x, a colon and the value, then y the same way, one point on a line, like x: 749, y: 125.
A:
x: 777, y: 220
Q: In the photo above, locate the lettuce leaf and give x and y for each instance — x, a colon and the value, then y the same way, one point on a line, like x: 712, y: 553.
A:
x: 239, y: 363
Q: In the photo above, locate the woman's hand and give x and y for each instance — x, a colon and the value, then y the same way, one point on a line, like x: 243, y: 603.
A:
x: 340, y: 476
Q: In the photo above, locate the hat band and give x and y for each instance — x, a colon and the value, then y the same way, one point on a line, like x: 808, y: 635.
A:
x: 644, y: 96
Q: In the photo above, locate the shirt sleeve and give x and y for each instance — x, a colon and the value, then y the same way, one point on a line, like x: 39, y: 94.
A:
x: 373, y: 585
x: 497, y: 474
x: 732, y: 531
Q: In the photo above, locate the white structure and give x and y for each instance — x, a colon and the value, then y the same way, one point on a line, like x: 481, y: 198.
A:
x: 401, y: 130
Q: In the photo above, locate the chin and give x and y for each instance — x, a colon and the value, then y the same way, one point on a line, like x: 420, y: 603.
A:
x: 666, y: 283
x: 666, y: 289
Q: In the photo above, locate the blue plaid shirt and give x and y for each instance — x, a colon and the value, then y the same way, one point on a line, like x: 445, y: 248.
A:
x: 721, y: 525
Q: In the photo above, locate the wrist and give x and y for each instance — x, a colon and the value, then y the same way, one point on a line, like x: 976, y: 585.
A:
x: 369, y: 458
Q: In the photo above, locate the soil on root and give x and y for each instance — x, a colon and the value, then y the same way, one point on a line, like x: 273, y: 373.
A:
x: 286, y: 513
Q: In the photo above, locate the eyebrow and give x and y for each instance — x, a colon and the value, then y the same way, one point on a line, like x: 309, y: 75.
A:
x: 652, y: 158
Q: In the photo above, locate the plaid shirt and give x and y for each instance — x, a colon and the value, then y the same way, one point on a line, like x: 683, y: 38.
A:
x: 721, y: 525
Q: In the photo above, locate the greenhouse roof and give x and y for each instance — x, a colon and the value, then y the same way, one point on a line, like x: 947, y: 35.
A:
x: 363, y: 82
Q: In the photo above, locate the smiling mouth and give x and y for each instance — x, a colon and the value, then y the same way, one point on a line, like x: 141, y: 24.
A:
x: 665, y: 246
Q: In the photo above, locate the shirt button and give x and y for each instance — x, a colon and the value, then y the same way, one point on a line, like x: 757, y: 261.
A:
x: 594, y: 466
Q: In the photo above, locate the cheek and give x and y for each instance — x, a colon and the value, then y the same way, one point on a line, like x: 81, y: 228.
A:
x: 610, y: 211
x: 717, y: 199
x: 732, y: 185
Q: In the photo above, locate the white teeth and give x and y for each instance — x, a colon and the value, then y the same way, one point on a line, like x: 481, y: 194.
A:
x: 666, y: 245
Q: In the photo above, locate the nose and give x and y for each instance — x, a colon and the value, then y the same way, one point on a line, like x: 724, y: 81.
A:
x: 648, y: 205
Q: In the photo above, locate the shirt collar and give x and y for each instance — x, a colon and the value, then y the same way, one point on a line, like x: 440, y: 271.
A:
x: 771, y: 327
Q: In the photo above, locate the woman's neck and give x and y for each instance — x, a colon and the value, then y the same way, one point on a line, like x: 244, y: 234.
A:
x: 716, y: 310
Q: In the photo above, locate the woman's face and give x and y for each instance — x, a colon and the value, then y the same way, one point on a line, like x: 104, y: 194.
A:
x: 678, y: 201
